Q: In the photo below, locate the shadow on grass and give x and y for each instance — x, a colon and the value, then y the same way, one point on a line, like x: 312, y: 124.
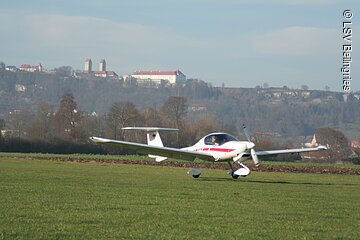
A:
x: 216, y: 179
x: 243, y: 180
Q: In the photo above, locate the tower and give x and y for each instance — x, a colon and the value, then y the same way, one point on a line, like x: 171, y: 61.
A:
x: 88, y: 65
x: 102, y: 65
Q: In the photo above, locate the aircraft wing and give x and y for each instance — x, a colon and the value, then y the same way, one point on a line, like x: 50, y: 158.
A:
x: 298, y: 150
x: 154, y: 150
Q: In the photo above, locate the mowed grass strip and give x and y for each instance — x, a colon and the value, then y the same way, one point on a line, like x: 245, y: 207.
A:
x: 67, y: 200
x: 119, y: 158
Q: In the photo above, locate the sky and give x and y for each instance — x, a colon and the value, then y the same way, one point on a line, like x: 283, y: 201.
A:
x: 238, y: 43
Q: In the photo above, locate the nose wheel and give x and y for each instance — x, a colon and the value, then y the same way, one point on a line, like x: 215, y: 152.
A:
x: 232, y: 171
x: 243, y: 171
x: 233, y: 175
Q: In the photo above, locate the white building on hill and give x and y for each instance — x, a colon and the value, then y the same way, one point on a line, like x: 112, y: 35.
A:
x: 29, y: 68
x: 106, y: 74
x: 159, y: 76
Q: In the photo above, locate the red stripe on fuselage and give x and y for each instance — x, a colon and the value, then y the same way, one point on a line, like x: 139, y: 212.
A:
x: 215, y: 149
x: 221, y: 149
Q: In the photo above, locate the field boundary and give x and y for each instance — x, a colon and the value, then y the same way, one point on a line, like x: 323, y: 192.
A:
x: 262, y: 168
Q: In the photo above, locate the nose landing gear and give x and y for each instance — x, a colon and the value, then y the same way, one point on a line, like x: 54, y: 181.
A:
x: 243, y: 171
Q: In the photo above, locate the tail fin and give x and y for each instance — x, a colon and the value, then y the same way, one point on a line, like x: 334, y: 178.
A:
x: 153, y: 138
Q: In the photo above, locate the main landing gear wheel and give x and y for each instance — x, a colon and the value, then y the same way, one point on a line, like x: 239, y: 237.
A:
x: 194, y: 172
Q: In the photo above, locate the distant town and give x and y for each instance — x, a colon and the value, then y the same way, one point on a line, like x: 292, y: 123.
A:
x: 139, y: 77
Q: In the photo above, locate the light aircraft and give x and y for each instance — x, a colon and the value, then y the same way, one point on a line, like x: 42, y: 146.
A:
x: 214, y: 147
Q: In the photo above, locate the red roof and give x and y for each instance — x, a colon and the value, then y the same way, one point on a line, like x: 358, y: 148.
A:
x: 100, y: 72
x: 111, y: 73
x: 177, y: 72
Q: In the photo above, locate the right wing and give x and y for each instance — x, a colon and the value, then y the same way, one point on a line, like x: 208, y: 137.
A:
x: 154, y: 150
x: 298, y: 150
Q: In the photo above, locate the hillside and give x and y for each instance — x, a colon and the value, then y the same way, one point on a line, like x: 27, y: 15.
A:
x: 274, y: 112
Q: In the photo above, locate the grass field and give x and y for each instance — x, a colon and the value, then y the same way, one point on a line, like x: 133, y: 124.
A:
x: 67, y: 200
x: 145, y: 158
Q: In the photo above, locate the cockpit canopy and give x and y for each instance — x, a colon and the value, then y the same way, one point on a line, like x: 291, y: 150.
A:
x: 218, y: 139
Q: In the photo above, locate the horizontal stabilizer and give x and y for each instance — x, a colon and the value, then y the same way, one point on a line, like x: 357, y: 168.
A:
x: 150, y: 129
x: 157, y: 158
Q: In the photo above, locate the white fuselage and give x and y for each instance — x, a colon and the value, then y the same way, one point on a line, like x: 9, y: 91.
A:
x: 226, y: 151
x: 220, y: 150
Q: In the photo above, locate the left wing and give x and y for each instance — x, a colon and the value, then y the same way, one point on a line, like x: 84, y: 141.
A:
x: 299, y: 150
x: 155, y: 150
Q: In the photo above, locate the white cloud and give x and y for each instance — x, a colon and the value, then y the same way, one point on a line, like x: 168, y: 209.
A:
x: 76, y: 37
x: 91, y: 31
x: 298, y: 41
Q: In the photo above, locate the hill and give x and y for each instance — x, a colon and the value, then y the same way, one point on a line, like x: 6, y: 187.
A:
x: 273, y: 112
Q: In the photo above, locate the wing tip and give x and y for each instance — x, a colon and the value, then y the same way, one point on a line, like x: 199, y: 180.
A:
x: 321, y: 147
x: 98, y: 139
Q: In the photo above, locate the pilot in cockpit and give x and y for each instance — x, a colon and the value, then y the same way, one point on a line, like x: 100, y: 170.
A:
x: 214, y: 140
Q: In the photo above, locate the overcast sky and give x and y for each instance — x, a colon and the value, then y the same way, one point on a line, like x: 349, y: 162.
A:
x: 238, y: 43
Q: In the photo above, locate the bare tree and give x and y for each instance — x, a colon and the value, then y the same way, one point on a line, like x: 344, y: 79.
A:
x: 68, y: 117
x: 339, y: 146
x: 204, y: 124
x: 93, y: 124
x: 42, y: 127
x: 17, y: 122
x: 175, y: 109
x: 121, y: 114
x: 150, y: 117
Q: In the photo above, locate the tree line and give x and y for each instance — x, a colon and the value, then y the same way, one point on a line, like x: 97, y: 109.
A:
x: 287, y: 112
x: 68, y: 123
x: 67, y: 129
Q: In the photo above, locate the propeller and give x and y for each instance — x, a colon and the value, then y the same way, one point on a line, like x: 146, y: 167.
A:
x: 254, y: 157
x: 250, y: 145
x: 246, y: 133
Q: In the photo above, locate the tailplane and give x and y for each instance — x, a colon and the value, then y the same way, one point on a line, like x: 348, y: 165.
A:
x: 153, y: 138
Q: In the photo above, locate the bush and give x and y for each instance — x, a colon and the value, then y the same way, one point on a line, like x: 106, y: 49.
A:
x: 56, y: 146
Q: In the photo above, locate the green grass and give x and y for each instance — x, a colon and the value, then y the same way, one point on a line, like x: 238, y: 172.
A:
x: 83, y: 156
x: 66, y: 200
x: 146, y: 158
x: 346, y: 165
